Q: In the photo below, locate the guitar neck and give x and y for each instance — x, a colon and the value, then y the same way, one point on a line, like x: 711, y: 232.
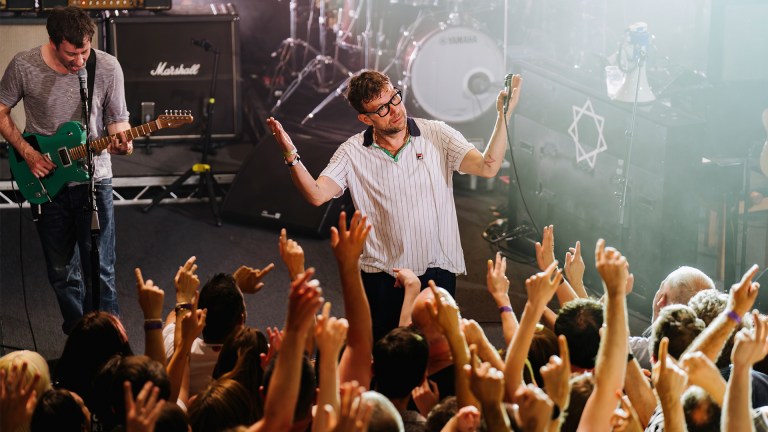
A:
x: 102, y: 143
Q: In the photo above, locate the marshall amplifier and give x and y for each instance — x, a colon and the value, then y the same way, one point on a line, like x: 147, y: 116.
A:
x: 166, y: 63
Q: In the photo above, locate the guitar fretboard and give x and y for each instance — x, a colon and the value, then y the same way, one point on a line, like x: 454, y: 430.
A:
x: 100, y: 144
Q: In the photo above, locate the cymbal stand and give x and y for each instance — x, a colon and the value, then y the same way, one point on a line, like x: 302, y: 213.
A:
x: 316, y: 65
x: 286, y: 52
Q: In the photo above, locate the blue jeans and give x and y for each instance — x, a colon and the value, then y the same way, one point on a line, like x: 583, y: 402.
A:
x: 64, y: 226
x: 386, y: 301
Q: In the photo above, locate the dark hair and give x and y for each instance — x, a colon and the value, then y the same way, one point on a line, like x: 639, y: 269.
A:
x: 582, y: 386
x: 400, y: 362
x: 172, y: 419
x: 224, y: 301
x: 58, y: 410
x: 94, y: 340
x: 242, y: 350
x: 543, y: 346
x: 71, y: 24
x: 702, y: 414
x: 365, y: 87
x: 224, y: 404
x: 679, y: 323
x: 442, y: 413
x: 307, y: 387
x: 580, y: 321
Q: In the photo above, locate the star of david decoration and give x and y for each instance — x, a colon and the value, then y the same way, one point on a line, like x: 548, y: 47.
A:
x: 583, y: 153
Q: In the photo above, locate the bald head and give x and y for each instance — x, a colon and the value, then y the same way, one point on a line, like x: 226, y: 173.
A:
x: 679, y: 287
x: 421, y: 314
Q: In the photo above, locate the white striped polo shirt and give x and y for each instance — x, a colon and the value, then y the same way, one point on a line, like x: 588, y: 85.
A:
x: 408, y: 201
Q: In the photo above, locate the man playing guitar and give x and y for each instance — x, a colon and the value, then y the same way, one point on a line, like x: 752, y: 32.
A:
x: 46, y: 78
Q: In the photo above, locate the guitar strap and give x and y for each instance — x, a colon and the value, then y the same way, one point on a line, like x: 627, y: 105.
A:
x: 90, y: 67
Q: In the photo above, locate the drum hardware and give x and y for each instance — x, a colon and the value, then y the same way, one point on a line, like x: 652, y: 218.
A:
x: 286, y: 52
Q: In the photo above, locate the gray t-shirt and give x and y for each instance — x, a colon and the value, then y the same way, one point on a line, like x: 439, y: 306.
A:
x: 52, y: 98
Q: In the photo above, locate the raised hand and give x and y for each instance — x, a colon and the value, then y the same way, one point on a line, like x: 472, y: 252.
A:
x: 353, y: 416
x: 485, y: 381
x: 426, y: 396
x: 275, y: 338
x: 142, y: 413
x: 186, y: 281
x: 669, y: 380
x: 514, y: 96
x: 348, y: 244
x: 468, y: 419
x: 625, y: 418
x: 535, y: 408
x: 18, y: 397
x: 303, y: 301
x: 444, y: 312
x: 330, y: 332
x: 556, y: 375
x: 496, y: 280
x: 574, y: 266
x: 700, y: 369
x: 751, y: 346
x: 542, y: 286
x: 613, y: 269
x: 150, y: 297
x: 282, y: 138
x: 743, y: 293
x: 292, y: 254
x: 249, y: 279
x: 407, y: 279
x: 545, y: 250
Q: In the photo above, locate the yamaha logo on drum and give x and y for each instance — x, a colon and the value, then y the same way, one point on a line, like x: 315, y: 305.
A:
x: 460, y: 40
x: 163, y: 69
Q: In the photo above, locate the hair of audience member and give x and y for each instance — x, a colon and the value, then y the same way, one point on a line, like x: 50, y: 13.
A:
x: 708, y: 304
x: 172, y: 418
x: 582, y: 386
x: 226, y: 307
x: 71, y: 24
x: 94, y: 339
x: 36, y: 364
x: 247, y: 369
x: 384, y: 417
x: 307, y: 387
x: 580, y: 321
x: 236, y: 345
x: 223, y: 404
x: 60, y: 410
x: 137, y: 370
x: 365, y: 87
x: 442, y: 413
x: 702, y: 414
x: 679, y: 323
x: 543, y: 346
x: 400, y: 362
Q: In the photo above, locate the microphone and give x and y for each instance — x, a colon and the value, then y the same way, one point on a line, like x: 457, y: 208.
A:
x: 82, y: 75
x: 508, y: 87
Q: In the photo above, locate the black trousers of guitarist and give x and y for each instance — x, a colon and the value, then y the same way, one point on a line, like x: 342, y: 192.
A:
x: 46, y: 78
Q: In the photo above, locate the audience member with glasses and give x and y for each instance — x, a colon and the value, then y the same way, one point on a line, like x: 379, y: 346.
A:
x: 399, y: 173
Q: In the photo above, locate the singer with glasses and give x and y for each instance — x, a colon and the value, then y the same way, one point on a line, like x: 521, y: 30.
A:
x: 48, y: 78
x: 399, y: 173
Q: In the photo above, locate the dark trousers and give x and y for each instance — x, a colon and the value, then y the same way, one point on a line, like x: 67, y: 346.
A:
x: 386, y: 301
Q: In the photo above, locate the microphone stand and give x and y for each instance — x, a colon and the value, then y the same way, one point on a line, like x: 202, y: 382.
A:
x: 624, y: 195
x: 95, y: 273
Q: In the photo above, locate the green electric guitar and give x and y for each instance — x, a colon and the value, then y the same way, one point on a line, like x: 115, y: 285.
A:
x: 67, y: 148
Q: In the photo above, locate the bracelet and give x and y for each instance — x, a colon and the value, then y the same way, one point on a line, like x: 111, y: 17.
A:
x: 555, y: 412
x: 153, y: 324
x: 287, y: 154
x: 630, y: 357
x: 294, y: 161
x: 734, y: 316
x: 182, y: 306
x: 503, y: 309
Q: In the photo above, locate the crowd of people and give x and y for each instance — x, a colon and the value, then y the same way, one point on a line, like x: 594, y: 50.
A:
x: 572, y: 368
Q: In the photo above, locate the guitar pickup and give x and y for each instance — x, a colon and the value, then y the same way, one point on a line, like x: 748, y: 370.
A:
x: 64, y: 156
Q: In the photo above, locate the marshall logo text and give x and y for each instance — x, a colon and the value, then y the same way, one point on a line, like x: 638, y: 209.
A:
x: 163, y: 69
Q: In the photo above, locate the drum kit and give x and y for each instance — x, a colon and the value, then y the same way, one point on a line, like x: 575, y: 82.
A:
x: 447, y: 65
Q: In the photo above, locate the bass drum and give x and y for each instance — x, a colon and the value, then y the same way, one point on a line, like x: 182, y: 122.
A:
x: 452, y: 73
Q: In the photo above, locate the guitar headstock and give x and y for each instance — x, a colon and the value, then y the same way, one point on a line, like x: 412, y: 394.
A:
x: 175, y: 118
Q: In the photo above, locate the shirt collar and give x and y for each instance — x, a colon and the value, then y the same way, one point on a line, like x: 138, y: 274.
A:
x: 413, y: 130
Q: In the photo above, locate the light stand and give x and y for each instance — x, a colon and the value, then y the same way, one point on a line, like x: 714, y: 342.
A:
x: 202, y: 169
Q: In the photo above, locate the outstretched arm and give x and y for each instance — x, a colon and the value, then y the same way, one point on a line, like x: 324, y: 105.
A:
x: 750, y: 348
x: 670, y: 382
x: 316, y: 192
x: 488, y: 163
x: 151, y: 302
x: 498, y: 286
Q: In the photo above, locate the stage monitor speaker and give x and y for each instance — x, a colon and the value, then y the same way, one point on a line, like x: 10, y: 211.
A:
x: 21, y: 34
x: 18, y: 5
x: 264, y: 194
x: 162, y: 65
x: 158, y: 4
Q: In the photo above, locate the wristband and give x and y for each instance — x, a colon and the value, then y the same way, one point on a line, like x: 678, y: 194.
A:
x: 153, y: 324
x: 555, y: 412
x: 734, y: 316
x: 181, y: 306
x: 630, y: 357
x: 294, y: 161
x: 503, y: 309
x: 287, y: 154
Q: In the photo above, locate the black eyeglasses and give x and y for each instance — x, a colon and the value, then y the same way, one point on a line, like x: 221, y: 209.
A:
x: 383, y: 110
